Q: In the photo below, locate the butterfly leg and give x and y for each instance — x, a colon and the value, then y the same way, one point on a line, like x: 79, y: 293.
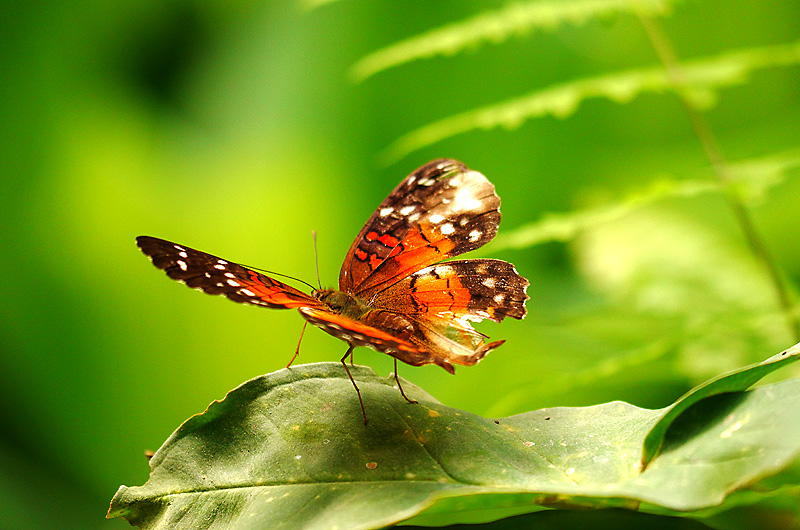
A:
x: 297, y: 350
x: 361, y: 401
x: 412, y: 401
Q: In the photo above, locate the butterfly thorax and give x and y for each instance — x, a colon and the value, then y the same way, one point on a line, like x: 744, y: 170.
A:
x: 352, y: 307
x: 342, y: 303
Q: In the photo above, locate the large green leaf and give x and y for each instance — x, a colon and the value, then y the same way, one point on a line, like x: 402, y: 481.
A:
x: 289, y: 450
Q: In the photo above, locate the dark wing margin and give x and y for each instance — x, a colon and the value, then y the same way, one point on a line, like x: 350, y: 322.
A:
x: 217, y: 276
x: 441, y: 210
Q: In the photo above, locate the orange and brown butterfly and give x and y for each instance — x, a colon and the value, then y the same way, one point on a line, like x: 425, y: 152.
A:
x: 396, y: 293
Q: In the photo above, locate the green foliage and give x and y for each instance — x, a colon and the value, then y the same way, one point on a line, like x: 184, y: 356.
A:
x: 754, y: 178
x: 236, y: 128
x: 497, y: 26
x: 703, y: 78
x: 287, y: 450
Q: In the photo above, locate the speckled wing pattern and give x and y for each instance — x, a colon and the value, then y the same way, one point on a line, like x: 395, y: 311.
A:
x: 441, y: 210
x: 214, y: 275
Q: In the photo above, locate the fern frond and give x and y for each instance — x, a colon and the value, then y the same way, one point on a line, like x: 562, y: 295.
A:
x: 565, y: 226
x: 754, y: 177
x: 497, y: 26
x: 308, y: 5
x: 703, y: 77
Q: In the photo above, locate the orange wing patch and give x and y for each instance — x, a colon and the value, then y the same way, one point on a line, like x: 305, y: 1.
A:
x: 474, y: 289
x: 441, y: 210
x: 422, y: 246
x: 263, y: 290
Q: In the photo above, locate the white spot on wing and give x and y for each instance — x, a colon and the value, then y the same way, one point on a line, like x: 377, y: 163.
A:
x: 183, y: 254
x: 385, y: 211
x: 219, y: 267
x: 222, y: 262
x: 443, y: 270
x: 182, y: 265
x: 247, y: 292
x: 448, y: 229
x: 405, y: 210
x: 233, y: 283
x: 230, y: 275
x: 474, y: 235
x: 178, y: 247
x: 464, y: 200
x: 488, y: 282
x: 436, y: 218
x: 498, y: 298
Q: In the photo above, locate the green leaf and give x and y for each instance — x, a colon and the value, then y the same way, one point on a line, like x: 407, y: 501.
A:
x: 495, y: 26
x: 753, y: 178
x: 703, y: 77
x: 289, y: 450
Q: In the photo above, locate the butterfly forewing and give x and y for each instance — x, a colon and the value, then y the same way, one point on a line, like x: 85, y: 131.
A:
x: 214, y: 275
x: 441, y: 210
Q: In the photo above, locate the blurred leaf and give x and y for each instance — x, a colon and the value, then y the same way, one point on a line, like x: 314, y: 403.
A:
x: 702, y: 77
x: 313, y: 4
x: 497, y: 26
x: 659, y: 262
x: 566, y: 226
x: 289, y: 450
x: 752, y: 179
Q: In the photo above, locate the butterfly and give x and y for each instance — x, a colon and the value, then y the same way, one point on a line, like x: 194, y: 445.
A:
x: 396, y: 293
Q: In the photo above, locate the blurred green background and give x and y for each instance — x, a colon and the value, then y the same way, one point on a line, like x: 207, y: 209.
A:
x: 237, y: 128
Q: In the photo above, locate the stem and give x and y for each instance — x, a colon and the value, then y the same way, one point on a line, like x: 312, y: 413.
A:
x: 702, y: 130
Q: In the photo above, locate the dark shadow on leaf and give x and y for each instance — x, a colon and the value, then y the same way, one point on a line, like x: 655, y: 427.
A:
x: 700, y: 417
x: 577, y: 520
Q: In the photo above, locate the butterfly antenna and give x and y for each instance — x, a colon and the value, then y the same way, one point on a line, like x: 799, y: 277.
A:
x: 316, y: 256
x: 273, y: 273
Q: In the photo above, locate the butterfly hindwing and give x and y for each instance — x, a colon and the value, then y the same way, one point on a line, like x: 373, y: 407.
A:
x: 442, y: 300
x: 443, y: 209
x: 214, y: 275
x: 473, y: 289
